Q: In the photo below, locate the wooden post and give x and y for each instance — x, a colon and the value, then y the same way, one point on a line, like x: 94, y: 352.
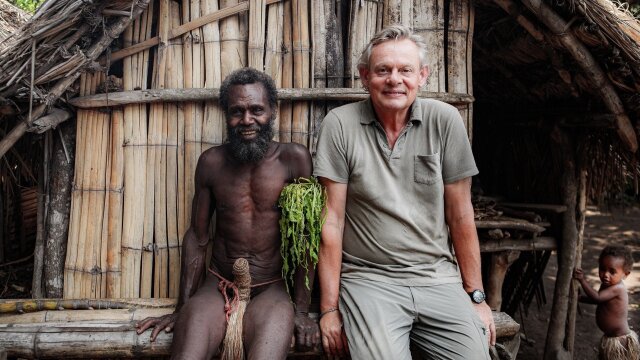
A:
x: 556, y: 335
x: 500, y: 262
x: 62, y: 163
x: 575, y: 285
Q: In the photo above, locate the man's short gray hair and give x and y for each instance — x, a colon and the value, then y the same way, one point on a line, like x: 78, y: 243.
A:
x: 394, y: 32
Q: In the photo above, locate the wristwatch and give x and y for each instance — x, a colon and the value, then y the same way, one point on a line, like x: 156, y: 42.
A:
x: 477, y: 296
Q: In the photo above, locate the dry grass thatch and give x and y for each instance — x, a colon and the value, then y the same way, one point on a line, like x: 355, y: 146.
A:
x: 11, y: 20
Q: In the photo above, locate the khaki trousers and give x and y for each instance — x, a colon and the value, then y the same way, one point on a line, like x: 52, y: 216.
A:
x: 380, y: 321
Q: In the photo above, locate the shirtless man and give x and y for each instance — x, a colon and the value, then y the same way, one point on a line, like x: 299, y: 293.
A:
x: 619, y: 341
x: 241, y: 181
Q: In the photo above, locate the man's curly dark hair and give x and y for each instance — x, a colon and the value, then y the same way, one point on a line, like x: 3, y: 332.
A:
x: 246, y: 76
x: 618, y: 251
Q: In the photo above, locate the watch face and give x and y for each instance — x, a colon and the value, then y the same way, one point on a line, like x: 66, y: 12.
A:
x: 477, y: 296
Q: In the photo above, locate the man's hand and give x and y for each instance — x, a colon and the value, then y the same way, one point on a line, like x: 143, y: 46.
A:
x: 165, y: 322
x: 484, y: 311
x: 307, y: 333
x: 334, y: 340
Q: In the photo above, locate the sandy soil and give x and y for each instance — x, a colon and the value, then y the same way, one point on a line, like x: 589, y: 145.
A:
x: 603, y: 226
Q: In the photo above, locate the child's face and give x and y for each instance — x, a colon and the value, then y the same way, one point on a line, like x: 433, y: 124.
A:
x: 611, y: 270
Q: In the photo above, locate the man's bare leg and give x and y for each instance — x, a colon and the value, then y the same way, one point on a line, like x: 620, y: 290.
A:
x: 268, y: 324
x: 201, y: 324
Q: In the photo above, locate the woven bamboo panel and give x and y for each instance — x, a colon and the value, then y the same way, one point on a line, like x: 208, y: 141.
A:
x: 133, y: 182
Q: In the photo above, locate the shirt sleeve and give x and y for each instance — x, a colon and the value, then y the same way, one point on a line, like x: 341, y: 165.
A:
x: 457, y: 160
x: 330, y: 160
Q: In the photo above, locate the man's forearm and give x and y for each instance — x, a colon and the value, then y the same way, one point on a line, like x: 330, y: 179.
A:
x: 191, y: 267
x: 302, y: 293
x: 467, y: 250
x: 329, y: 268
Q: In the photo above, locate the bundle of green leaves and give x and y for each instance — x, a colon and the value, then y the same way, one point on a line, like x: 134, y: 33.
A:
x: 301, y: 221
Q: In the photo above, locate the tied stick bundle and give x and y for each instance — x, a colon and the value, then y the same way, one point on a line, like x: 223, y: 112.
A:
x: 300, y: 224
x: 233, y: 347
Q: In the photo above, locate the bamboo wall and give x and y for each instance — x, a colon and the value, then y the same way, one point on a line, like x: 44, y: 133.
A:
x: 134, y: 168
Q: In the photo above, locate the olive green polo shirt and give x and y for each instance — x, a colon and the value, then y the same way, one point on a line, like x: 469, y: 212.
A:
x: 395, y: 230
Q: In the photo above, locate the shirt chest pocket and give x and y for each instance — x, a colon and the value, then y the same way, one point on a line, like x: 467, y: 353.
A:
x: 426, y: 169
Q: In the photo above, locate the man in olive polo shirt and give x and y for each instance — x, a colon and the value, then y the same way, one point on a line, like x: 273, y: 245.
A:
x: 397, y: 171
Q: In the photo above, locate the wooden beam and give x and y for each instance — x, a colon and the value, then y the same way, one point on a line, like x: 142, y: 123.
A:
x: 535, y: 244
x: 112, y: 334
x: 509, y: 224
x: 180, y: 95
x: 50, y: 121
x: 558, y: 209
x: 590, y: 67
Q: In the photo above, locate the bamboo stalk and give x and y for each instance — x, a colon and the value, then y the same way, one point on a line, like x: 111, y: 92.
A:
x: 334, y: 52
x: 192, y: 132
x: 115, y: 196
x: 176, y: 112
x: 319, y: 71
x: 147, y: 258
x: 273, y: 53
x: 457, y: 52
x: 156, y: 186
x: 233, y: 48
x: 213, y: 127
x: 301, y: 69
x: 257, y: 23
x: 429, y: 23
x: 102, y: 205
x: 83, y: 248
x: 286, y: 107
x: 158, y: 140
x: 135, y: 159
x: 76, y: 201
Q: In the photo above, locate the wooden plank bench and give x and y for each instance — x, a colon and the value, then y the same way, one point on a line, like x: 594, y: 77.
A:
x: 67, y: 334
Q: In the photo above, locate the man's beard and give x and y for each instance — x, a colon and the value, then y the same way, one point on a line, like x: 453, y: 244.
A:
x: 250, y: 151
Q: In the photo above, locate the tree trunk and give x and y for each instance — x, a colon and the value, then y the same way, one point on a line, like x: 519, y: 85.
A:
x: 59, y: 209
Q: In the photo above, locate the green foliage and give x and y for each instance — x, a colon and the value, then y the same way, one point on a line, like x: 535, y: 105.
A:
x: 29, y: 6
x: 300, y: 224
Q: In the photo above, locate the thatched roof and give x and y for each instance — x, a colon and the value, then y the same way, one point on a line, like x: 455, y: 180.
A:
x: 570, y: 62
x: 11, y: 19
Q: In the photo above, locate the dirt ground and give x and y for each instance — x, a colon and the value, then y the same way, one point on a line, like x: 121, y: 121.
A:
x: 603, y: 226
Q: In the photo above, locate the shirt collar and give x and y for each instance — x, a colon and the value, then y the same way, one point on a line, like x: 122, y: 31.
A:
x: 368, y: 116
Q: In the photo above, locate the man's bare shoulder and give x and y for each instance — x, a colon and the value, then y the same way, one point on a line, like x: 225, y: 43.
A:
x: 294, y: 152
x: 212, y: 156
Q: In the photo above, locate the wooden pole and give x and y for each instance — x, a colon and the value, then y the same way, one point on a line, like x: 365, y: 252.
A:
x: 556, y: 334
x: 287, y: 93
x: 575, y: 285
x: 334, y: 52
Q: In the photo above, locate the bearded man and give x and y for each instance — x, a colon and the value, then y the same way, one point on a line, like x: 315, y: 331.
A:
x: 240, y: 181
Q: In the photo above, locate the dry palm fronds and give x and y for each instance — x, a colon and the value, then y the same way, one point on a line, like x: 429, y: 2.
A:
x: 11, y: 19
x: 617, y: 24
